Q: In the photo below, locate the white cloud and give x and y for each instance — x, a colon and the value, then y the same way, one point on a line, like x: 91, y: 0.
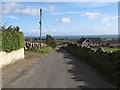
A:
x: 53, y: 30
x: 45, y: 31
x: 91, y: 15
x: 52, y: 8
x: 12, y: 17
x: 108, y: 24
x: 106, y: 20
x: 34, y: 31
x: 115, y: 17
x: 62, y: 13
x: 63, y: 20
x: 28, y: 11
x: 8, y: 7
x: 57, y: 31
x: 62, y: 1
x: 16, y: 8
x: 96, y: 29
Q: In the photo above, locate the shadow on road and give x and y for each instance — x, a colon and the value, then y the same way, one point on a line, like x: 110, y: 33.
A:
x: 75, y: 70
x: 82, y: 73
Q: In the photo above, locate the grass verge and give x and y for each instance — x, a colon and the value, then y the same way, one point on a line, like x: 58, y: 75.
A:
x: 32, y: 53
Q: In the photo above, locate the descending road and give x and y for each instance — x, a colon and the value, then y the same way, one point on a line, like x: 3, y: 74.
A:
x: 56, y: 70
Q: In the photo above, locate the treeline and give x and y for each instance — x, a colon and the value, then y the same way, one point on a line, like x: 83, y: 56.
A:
x: 107, y: 64
x: 12, y: 38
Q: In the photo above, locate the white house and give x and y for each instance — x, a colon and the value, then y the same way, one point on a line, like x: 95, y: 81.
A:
x: 85, y: 42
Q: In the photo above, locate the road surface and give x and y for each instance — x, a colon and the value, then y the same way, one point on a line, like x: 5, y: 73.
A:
x: 58, y: 69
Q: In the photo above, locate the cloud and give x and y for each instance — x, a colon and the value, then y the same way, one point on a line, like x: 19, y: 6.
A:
x: 46, y: 31
x: 52, y: 8
x: 57, y: 31
x: 12, y: 17
x: 63, y: 20
x: 106, y: 20
x: 28, y: 11
x: 91, y: 15
x: 15, y: 8
x: 53, y: 30
x: 62, y: 13
x: 8, y: 7
x: 61, y: 1
x: 35, y: 31
x: 96, y: 29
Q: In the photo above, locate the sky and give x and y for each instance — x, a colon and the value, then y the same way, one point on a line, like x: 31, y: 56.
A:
x: 62, y: 18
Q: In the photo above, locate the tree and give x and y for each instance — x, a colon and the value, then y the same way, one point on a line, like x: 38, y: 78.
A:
x: 50, y: 41
x: 17, y: 28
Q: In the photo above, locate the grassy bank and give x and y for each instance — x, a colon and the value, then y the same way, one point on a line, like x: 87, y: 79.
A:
x: 43, y: 50
x: 34, y: 53
x: 105, y: 63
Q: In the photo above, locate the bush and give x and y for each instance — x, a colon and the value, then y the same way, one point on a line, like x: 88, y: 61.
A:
x: 12, y: 39
x: 50, y: 41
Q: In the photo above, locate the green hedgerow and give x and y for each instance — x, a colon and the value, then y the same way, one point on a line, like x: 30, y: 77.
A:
x: 12, y: 39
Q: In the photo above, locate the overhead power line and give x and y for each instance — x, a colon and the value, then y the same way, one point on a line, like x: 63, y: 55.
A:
x: 46, y: 25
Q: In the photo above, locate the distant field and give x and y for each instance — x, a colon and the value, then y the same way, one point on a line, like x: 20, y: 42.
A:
x: 107, y: 49
x: 60, y: 41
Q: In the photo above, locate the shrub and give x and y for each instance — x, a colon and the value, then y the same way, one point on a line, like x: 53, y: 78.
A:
x: 12, y: 39
x: 50, y: 41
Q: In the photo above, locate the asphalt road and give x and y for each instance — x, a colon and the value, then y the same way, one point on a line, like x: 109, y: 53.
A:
x: 55, y: 70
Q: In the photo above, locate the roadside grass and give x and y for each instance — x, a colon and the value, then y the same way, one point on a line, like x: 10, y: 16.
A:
x: 45, y: 50
x: 32, y: 53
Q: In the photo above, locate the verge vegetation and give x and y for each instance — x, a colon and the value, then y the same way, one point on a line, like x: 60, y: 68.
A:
x: 12, y: 38
x: 47, y: 46
x: 108, y: 64
x: 44, y: 50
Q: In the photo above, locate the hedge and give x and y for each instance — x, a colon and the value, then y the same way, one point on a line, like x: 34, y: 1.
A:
x: 12, y: 39
x: 106, y: 63
x: 0, y: 39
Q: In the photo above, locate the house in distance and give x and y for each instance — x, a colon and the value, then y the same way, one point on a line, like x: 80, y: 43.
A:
x: 93, y: 42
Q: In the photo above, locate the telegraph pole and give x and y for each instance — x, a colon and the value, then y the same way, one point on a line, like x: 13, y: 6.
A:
x: 40, y: 28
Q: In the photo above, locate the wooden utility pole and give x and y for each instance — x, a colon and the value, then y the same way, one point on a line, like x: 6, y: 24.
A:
x: 40, y: 28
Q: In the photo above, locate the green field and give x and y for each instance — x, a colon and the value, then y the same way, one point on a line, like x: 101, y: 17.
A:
x: 107, y: 49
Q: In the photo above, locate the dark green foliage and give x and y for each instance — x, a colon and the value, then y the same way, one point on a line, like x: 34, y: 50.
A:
x: 12, y: 39
x: 50, y: 41
x: 0, y: 39
x: 106, y: 63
